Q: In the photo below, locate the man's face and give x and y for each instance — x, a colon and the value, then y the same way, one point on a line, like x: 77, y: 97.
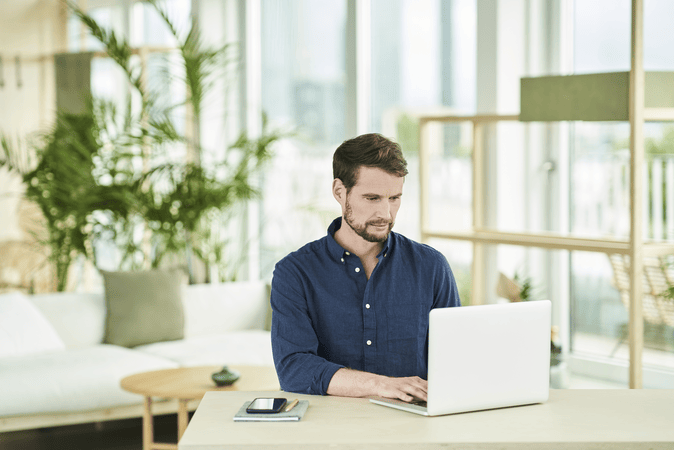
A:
x: 371, y: 205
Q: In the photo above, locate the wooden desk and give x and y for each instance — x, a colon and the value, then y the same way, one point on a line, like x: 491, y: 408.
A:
x: 186, y: 384
x: 571, y: 419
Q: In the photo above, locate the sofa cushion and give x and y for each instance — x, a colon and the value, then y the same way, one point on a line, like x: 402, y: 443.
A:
x: 143, y: 307
x: 247, y: 347
x: 78, y: 317
x: 23, y: 328
x: 211, y: 309
x: 72, y: 380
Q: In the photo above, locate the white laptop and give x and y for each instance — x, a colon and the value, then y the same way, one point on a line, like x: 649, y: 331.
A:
x: 485, y: 357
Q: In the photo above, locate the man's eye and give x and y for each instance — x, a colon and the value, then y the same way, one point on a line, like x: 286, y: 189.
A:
x: 372, y: 198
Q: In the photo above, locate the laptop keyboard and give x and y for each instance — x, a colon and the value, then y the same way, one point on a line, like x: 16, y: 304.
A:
x: 421, y: 403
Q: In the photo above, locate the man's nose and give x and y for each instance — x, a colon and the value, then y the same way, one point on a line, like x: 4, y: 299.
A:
x: 384, y: 210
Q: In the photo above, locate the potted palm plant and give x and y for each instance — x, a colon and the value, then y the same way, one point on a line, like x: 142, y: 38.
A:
x: 106, y: 174
x: 58, y: 170
x: 177, y: 201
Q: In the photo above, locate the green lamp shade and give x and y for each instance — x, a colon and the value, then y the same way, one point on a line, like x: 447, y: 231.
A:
x: 590, y: 97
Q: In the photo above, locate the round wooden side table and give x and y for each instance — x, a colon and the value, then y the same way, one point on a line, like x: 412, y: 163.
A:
x: 190, y: 383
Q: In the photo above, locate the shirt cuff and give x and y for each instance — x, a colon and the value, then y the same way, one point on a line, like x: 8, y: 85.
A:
x: 323, y: 381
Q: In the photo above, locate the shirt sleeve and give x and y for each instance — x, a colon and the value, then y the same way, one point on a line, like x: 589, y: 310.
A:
x: 293, y: 338
x: 446, y: 293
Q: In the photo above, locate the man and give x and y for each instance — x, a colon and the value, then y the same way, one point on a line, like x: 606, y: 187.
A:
x: 350, y: 310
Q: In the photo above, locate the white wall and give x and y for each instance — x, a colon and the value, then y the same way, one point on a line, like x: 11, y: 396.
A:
x: 29, y: 29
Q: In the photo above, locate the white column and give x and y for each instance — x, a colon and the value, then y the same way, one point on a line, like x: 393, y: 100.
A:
x: 250, y: 105
x: 358, y: 67
x: 501, y: 31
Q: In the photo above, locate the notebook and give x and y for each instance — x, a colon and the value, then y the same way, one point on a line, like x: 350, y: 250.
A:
x: 485, y: 357
x: 294, y: 415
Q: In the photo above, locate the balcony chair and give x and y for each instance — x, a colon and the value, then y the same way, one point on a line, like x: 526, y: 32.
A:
x: 658, y: 278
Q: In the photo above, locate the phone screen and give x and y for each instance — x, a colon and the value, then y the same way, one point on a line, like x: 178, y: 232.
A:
x: 266, y: 405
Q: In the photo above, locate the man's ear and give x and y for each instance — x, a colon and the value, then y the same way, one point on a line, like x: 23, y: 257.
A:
x: 338, y: 190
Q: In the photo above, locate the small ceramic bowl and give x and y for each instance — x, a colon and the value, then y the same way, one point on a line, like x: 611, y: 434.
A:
x: 225, y: 377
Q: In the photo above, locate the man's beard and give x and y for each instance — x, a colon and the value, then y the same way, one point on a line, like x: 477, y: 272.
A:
x: 361, y: 230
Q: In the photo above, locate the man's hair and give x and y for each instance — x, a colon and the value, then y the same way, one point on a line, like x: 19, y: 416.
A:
x: 369, y: 150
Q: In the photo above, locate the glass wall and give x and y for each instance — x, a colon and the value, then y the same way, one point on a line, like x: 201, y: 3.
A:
x: 599, y: 193
x: 303, y: 87
x: 417, y: 50
x: 423, y: 58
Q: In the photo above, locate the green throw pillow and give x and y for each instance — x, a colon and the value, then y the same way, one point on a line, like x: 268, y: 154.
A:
x: 143, y: 307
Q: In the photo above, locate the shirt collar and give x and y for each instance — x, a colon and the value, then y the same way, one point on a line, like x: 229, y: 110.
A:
x: 337, y: 251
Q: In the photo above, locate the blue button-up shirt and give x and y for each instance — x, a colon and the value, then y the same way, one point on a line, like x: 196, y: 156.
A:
x: 328, y: 315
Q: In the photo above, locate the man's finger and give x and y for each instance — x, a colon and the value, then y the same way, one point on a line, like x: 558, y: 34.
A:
x: 416, y: 390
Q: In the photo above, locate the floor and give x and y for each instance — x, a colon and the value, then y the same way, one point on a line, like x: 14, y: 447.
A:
x: 654, y: 354
x: 113, y: 435
x: 126, y: 434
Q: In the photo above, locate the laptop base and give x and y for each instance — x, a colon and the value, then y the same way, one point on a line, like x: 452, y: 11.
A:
x: 399, y: 404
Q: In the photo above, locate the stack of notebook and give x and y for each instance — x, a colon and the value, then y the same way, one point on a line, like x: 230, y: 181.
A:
x: 293, y: 415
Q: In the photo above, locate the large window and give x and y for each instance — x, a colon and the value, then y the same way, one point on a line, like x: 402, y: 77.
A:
x: 423, y: 58
x: 417, y: 48
x: 599, y: 195
x: 303, y: 86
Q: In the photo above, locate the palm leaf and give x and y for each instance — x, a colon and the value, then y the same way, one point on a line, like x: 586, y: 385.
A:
x: 117, y: 48
x: 16, y: 155
x: 200, y: 63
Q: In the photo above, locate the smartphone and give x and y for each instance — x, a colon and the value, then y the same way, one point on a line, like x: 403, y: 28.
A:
x: 266, y: 406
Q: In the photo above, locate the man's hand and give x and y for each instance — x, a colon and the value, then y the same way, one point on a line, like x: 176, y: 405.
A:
x: 405, y: 389
x: 352, y: 383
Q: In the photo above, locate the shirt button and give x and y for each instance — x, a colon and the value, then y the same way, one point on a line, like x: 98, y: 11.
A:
x: 384, y: 255
x: 347, y: 253
x: 367, y: 306
x: 357, y: 269
x: 369, y: 342
x: 342, y: 259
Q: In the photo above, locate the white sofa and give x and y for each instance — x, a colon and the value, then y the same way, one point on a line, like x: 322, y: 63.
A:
x: 55, y: 370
